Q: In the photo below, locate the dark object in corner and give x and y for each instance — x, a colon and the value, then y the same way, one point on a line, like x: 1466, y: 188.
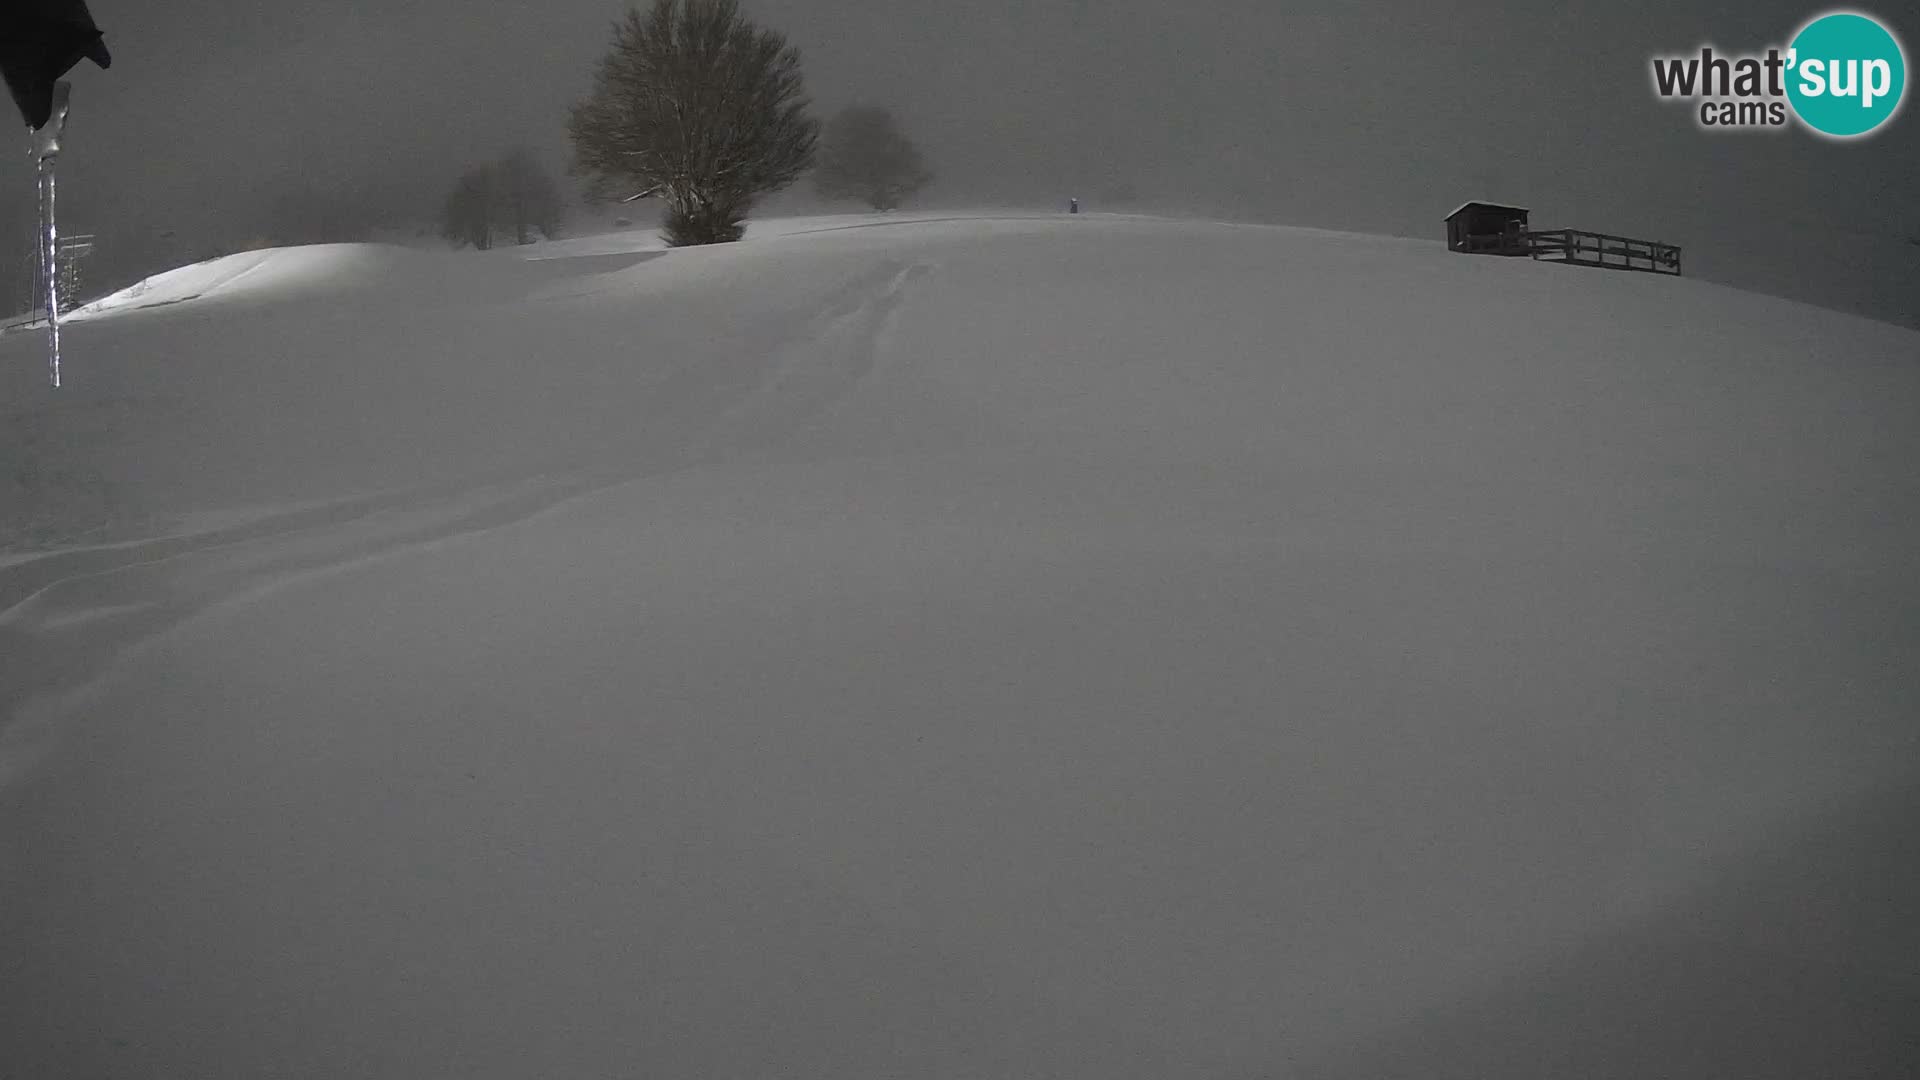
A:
x: 41, y: 40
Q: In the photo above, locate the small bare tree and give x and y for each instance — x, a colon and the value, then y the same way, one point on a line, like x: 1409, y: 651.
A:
x: 513, y: 192
x: 529, y: 199
x: 864, y: 155
x: 469, y: 213
x: 695, y: 103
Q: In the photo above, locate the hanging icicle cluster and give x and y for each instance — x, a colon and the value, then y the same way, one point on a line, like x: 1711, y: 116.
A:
x: 41, y: 40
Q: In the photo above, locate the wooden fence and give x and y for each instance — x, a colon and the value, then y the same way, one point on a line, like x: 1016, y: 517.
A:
x: 1608, y: 252
x: 1579, y: 248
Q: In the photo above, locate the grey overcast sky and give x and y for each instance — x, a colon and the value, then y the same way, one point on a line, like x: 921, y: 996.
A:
x: 1378, y: 116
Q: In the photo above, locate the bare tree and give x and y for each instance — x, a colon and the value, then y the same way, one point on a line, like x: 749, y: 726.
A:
x: 471, y: 207
x: 529, y: 199
x: 695, y: 103
x: 512, y: 193
x: 864, y: 155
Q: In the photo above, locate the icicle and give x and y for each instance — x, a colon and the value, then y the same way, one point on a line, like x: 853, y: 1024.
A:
x: 50, y: 268
x: 46, y: 149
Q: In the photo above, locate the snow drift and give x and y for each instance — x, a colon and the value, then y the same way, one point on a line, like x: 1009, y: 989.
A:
x: 275, y: 273
x: 1056, y: 647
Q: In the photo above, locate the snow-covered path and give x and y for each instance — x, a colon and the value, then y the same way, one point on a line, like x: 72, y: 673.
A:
x: 993, y: 647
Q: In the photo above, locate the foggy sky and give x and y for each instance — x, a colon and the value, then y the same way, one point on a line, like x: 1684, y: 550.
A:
x: 1379, y: 117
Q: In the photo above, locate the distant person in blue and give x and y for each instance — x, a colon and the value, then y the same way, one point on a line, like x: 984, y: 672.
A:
x: 1073, y: 206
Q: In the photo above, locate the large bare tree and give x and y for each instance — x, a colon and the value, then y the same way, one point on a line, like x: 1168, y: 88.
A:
x: 864, y: 155
x: 697, y: 104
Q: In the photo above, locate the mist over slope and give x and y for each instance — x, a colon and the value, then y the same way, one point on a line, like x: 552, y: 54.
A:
x: 1081, y: 647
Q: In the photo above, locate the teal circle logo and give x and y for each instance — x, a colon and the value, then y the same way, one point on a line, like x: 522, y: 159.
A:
x: 1848, y: 75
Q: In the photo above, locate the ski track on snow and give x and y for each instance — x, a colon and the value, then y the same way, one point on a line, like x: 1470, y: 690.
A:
x: 815, y: 376
x: 68, y: 617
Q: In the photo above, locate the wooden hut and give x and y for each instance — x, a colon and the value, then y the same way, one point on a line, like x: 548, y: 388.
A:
x: 1484, y: 228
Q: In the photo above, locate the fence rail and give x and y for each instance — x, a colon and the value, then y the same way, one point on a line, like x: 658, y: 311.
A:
x: 1603, y: 250
x: 1578, y: 247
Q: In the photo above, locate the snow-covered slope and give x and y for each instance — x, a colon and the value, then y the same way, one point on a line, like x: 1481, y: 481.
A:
x: 269, y: 273
x: 992, y: 646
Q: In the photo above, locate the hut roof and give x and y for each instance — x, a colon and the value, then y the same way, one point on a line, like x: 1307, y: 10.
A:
x: 1468, y: 205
